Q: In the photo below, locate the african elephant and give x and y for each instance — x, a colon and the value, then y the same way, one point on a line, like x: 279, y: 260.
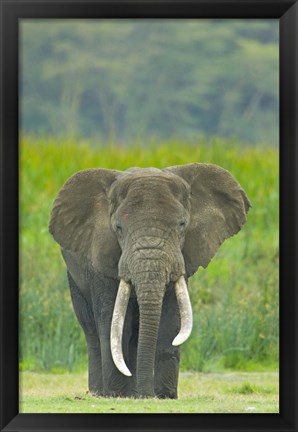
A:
x: 130, y: 241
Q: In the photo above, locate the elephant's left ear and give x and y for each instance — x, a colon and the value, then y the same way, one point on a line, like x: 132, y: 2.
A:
x: 218, y: 210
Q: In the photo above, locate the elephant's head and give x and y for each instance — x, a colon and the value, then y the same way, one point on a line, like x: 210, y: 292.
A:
x: 148, y: 227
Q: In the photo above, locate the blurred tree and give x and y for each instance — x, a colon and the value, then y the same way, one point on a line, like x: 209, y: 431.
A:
x: 132, y: 79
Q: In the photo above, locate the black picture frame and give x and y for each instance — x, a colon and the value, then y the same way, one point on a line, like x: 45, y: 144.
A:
x: 287, y: 14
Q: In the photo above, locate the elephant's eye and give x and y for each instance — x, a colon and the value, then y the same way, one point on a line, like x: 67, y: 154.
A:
x: 182, y: 225
x: 118, y: 229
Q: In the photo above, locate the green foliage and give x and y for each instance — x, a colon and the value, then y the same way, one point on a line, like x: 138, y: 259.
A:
x: 235, y: 300
x: 163, y: 78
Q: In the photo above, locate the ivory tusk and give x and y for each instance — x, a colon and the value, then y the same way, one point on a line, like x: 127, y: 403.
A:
x: 185, y: 311
x: 117, y: 326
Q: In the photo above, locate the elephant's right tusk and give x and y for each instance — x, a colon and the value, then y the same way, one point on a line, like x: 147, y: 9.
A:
x: 185, y: 311
x: 117, y: 326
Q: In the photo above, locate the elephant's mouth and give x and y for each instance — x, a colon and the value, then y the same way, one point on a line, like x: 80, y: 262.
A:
x: 121, y: 303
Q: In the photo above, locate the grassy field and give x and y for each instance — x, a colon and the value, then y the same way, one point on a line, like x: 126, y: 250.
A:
x: 235, y: 300
x: 198, y: 393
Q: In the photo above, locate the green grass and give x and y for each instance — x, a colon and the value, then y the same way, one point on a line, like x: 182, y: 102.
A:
x: 235, y: 300
x: 198, y: 393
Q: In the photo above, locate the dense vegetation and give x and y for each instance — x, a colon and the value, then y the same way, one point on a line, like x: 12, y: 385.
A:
x: 235, y: 300
x: 129, y: 79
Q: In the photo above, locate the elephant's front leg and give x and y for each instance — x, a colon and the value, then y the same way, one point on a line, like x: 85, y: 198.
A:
x: 85, y: 317
x: 104, y: 292
x: 167, y: 358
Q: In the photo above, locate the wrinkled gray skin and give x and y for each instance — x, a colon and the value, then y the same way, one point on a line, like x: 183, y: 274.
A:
x: 147, y: 227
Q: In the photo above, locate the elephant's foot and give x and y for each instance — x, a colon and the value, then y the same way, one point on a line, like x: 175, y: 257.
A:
x: 117, y: 394
x: 146, y: 396
x: 95, y: 385
x: 116, y: 385
x: 96, y: 393
x: 166, y: 394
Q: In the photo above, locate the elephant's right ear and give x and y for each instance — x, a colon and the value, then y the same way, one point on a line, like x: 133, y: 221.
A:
x: 80, y: 220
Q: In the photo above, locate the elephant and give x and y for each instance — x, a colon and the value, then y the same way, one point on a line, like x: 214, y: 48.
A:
x: 130, y: 241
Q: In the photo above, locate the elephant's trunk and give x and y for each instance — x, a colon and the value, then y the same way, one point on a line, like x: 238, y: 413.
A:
x: 150, y: 298
x: 149, y: 276
x: 150, y: 306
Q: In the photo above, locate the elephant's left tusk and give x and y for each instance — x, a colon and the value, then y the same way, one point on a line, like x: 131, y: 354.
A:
x: 117, y: 326
x: 185, y: 311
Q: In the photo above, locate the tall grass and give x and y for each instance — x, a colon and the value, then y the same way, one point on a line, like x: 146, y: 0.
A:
x: 235, y: 300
